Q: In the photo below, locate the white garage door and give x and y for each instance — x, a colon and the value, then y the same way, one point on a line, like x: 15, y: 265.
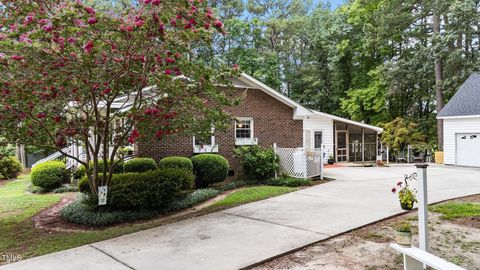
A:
x: 468, y: 149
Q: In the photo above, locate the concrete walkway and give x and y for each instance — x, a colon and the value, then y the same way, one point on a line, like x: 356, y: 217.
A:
x: 244, y: 235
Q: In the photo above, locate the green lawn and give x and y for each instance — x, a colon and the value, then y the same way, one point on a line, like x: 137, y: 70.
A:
x: 19, y: 236
x: 252, y: 194
x: 453, y: 210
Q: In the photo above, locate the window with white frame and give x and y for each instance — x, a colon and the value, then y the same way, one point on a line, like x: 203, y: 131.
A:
x: 205, y: 144
x: 244, y: 131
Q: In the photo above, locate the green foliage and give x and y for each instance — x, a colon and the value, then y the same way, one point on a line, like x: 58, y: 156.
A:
x: 49, y: 175
x: 81, y: 171
x: 10, y: 168
x: 453, y: 210
x: 399, y: 133
x: 258, y: 163
x: 84, y: 186
x: 407, y: 197
x: 288, y: 182
x: 6, y: 149
x: 148, y: 190
x: 403, y: 227
x: 139, y: 165
x: 81, y: 213
x: 367, y: 104
x: 196, y: 197
x: 209, y: 169
x: 234, y: 184
x: 65, y: 188
x: 176, y: 162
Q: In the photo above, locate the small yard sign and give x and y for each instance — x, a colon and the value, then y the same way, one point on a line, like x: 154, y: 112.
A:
x: 102, y: 195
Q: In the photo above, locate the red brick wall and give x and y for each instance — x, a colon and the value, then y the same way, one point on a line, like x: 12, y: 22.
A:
x: 272, y: 120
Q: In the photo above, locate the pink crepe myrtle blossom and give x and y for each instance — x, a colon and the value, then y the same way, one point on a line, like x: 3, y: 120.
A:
x: 71, y: 40
x: 47, y: 28
x: 2, y: 36
x: 218, y: 24
x: 90, y: 10
x: 88, y: 47
x: 44, y: 21
x: 139, y: 23
x: 79, y: 23
x: 41, y: 115
x: 133, y: 136
x: 92, y: 20
x: 394, y: 190
x: 28, y: 20
x: 147, y: 1
x: 17, y: 57
x: 156, y: 2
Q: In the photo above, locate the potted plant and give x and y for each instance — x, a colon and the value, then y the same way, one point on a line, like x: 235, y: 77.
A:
x: 331, y: 160
x: 406, y: 194
x: 403, y: 234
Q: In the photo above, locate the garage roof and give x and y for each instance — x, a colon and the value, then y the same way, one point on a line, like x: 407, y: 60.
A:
x: 466, y: 102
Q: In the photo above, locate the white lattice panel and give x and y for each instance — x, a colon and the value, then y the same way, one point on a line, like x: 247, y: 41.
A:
x: 296, y: 163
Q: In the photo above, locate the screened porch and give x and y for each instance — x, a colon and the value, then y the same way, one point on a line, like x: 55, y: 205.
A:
x: 354, y: 143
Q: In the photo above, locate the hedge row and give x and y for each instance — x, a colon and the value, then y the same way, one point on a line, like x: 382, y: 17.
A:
x: 148, y: 190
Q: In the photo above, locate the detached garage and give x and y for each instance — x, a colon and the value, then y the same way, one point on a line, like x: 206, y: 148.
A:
x: 461, y: 125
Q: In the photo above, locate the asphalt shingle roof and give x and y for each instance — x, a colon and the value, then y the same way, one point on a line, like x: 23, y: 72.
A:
x: 466, y: 101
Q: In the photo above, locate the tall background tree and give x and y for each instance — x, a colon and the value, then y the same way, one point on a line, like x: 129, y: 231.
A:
x: 369, y: 60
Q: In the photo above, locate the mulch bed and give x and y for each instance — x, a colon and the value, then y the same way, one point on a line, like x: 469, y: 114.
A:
x: 49, y: 219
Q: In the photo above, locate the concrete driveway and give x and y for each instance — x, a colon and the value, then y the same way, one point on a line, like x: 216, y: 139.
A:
x: 248, y: 234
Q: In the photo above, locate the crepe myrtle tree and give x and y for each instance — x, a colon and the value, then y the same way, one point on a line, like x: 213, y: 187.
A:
x: 69, y: 72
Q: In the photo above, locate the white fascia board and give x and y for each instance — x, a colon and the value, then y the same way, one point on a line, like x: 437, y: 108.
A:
x: 458, y: 116
x: 348, y: 121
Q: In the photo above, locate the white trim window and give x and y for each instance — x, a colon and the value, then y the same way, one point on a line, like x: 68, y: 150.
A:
x: 244, y: 131
x: 205, y: 145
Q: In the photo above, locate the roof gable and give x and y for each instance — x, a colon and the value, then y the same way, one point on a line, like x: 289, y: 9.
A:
x: 466, y: 102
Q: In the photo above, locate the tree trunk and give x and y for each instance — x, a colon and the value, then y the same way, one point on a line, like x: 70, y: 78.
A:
x: 438, y: 81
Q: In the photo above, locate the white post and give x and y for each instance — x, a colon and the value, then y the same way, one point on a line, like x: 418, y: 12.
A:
x: 388, y: 157
x: 322, y: 158
x: 422, y: 206
x: 275, y: 151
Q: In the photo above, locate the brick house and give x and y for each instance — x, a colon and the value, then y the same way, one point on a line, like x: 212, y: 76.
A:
x: 265, y: 117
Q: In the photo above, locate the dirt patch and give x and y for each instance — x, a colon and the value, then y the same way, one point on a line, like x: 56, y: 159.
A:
x: 3, y: 182
x: 50, y: 220
x: 457, y: 241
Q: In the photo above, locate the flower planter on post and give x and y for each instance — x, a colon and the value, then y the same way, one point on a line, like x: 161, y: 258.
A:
x: 406, y: 194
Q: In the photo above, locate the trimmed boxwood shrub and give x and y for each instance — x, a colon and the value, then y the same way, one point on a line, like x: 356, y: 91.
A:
x: 139, y: 165
x: 176, y: 162
x: 209, y: 169
x: 81, y: 171
x: 148, y: 190
x: 258, y: 163
x: 10, y: 168
x: 49, y: 175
